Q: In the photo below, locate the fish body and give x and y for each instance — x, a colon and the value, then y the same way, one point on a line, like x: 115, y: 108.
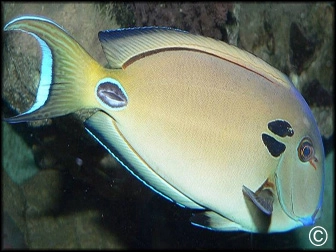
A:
x: 203, y: 123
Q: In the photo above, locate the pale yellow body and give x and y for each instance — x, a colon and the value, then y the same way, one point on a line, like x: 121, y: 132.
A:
x: 201, y: 132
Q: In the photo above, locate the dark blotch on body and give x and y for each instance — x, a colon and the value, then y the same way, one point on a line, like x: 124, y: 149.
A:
x: 281, y: 128
x: 273, y: 146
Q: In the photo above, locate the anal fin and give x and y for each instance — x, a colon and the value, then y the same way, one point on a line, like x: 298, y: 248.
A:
x: 105, y: 130
x: 213, y: 221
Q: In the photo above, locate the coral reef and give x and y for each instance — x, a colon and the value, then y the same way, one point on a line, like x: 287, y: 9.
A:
x: 206, y: 18
x: 302, y: 48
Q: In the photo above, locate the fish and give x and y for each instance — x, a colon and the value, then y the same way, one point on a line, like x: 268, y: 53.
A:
x: 206, y: 125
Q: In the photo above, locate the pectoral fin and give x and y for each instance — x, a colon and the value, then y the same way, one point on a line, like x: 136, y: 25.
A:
x: 214, y: 221
x: 263, y: 199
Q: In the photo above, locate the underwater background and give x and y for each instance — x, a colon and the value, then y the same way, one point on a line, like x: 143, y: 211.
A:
x: 61, y: 189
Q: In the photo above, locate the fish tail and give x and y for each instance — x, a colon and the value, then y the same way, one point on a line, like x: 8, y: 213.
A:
x: 67, y: 71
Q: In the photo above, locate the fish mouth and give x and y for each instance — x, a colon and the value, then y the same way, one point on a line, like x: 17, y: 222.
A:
x: 310, y: 220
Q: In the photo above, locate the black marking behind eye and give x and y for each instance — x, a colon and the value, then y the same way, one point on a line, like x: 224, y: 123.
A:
x: 273, y: 146
x: 281, y: 128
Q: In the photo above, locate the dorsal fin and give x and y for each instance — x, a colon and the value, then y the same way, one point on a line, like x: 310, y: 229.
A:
x: 123, y: 45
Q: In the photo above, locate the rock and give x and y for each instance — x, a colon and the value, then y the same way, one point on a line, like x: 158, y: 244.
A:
x: 302, y: 48
x: 17, y: 156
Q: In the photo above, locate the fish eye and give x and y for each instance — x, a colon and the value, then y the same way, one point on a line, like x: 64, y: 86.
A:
x: 306, y: 150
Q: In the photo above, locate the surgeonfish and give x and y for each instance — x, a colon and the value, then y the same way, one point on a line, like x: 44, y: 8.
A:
x: 204, y: 124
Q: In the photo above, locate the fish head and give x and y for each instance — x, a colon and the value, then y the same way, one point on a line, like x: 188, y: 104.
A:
x: 299, y: 176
